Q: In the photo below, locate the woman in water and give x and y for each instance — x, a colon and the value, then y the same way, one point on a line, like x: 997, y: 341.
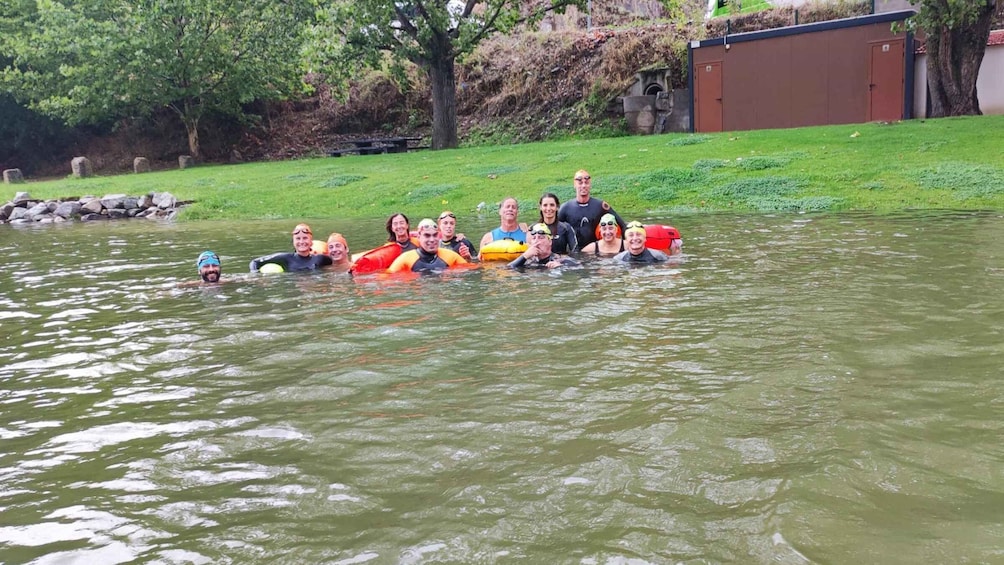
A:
x: 399, y: 231
x: 610, y: 242
x: 563, y: 241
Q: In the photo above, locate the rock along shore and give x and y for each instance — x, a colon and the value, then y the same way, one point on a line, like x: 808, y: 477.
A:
x: 24, y: 209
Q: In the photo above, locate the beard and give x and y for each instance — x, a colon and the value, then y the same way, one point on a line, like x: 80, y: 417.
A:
x: 210, y: 276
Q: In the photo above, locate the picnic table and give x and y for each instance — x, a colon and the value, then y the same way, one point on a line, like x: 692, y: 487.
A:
x: 374, y: 145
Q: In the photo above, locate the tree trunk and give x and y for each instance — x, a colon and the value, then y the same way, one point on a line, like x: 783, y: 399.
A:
x: 193, y: 138
x: 954, y: 56
x: 442, y: 77
x: 190, y: 114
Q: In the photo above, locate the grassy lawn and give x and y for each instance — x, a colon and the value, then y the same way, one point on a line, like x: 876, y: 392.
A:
x: 953, y: 163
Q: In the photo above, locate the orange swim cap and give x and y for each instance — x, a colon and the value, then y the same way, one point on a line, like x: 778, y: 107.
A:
x: 339, y: 238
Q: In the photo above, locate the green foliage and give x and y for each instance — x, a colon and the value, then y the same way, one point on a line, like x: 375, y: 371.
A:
x: 748, y: 189
x: 966, y: 180
x: 427, y: 191
x: 710, y: 164
x: 93, y: 61
x: 341, y: 180
x: 564, y: 192
x: 689, y: 140
x: 351, y: 35
x: 493, y: 171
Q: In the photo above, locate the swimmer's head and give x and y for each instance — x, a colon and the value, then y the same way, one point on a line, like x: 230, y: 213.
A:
x: 209, y: 266
x: 540, y: 229
x: 635, y: 227
x: 427, y: 224
x: 207, y: 258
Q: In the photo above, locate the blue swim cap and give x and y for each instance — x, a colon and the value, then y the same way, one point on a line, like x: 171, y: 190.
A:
x: 207, y: 258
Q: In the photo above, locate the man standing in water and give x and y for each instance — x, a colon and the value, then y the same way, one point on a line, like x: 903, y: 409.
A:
x: 584, y: 213
x: 510, y: 228
x: 453, y: 241
x: 429, y: 257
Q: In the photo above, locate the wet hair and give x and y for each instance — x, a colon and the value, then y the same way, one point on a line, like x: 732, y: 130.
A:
x: 390, y: 220
x: 541, y: 201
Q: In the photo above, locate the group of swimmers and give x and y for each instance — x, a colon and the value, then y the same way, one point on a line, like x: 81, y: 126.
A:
x: 563, y: 229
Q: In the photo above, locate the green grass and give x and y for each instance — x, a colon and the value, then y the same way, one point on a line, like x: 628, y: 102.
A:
x: 919, y: 164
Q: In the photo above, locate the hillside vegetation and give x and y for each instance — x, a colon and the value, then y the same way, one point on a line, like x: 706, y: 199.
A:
x: 527, y: 87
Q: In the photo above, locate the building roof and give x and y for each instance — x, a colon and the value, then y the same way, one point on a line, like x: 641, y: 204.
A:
x: 996, y: 38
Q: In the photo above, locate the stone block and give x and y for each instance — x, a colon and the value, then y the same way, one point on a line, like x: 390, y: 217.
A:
x: 111, y: 201
x: 37, y: 210
x: 81, y: 167
x: 164, y: 200
x: 67, y: 209
x: 92, y: 206
x: 141, y: 165
x: 13, y: 176
x: 186, y: 162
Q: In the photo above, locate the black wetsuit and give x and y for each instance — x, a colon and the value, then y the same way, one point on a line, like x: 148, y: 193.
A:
x: 563, y: 238
x: 537, y: 263
x: 584, y: 218
x: 455, y: 245
x: 596, y: 249
x: 421, y: 261
x: 406, y: 246
x: 292, y: 261
x: 646, y: 256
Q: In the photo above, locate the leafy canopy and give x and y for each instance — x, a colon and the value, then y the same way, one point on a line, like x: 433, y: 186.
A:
x: 96, y: 60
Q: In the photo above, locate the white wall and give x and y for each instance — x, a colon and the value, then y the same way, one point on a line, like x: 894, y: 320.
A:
x: 989, y: 84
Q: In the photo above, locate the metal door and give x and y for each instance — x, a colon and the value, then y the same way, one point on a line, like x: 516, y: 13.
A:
x: 885, y: 81
x: 708, y: 100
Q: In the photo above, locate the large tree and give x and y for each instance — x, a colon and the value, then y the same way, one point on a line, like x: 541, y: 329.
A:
x: 88, y: 61
x: 956, y: 34
x: 432, y: 34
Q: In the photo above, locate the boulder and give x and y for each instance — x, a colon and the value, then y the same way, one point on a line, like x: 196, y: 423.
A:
x: 164, y: 200
x: 13, y: 176
x: 21, y: 199
x: 81, y: 167
x: 37, y: 210
x: 186, y: 162
x: 116, y: 213
x: 130, y: 202
x: 145, y: 201
x: 111, y: 201
x: 17, y: 213
x: 92, y: 206
x: 141, y: 165
x: 67, y: 210
x: 92, y: 217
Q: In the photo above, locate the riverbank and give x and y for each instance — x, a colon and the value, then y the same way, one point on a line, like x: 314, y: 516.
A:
x: 952, y: 163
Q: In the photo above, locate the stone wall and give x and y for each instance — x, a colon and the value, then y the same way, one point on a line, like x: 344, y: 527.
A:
x: 24, y: 209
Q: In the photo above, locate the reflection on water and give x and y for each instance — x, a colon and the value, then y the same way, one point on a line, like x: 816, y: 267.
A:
x: 798, y: 389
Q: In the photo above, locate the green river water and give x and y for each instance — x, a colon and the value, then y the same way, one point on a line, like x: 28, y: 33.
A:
x: 797, y: 389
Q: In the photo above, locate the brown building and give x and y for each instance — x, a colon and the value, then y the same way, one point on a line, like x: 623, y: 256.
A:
x: 836, y: 72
